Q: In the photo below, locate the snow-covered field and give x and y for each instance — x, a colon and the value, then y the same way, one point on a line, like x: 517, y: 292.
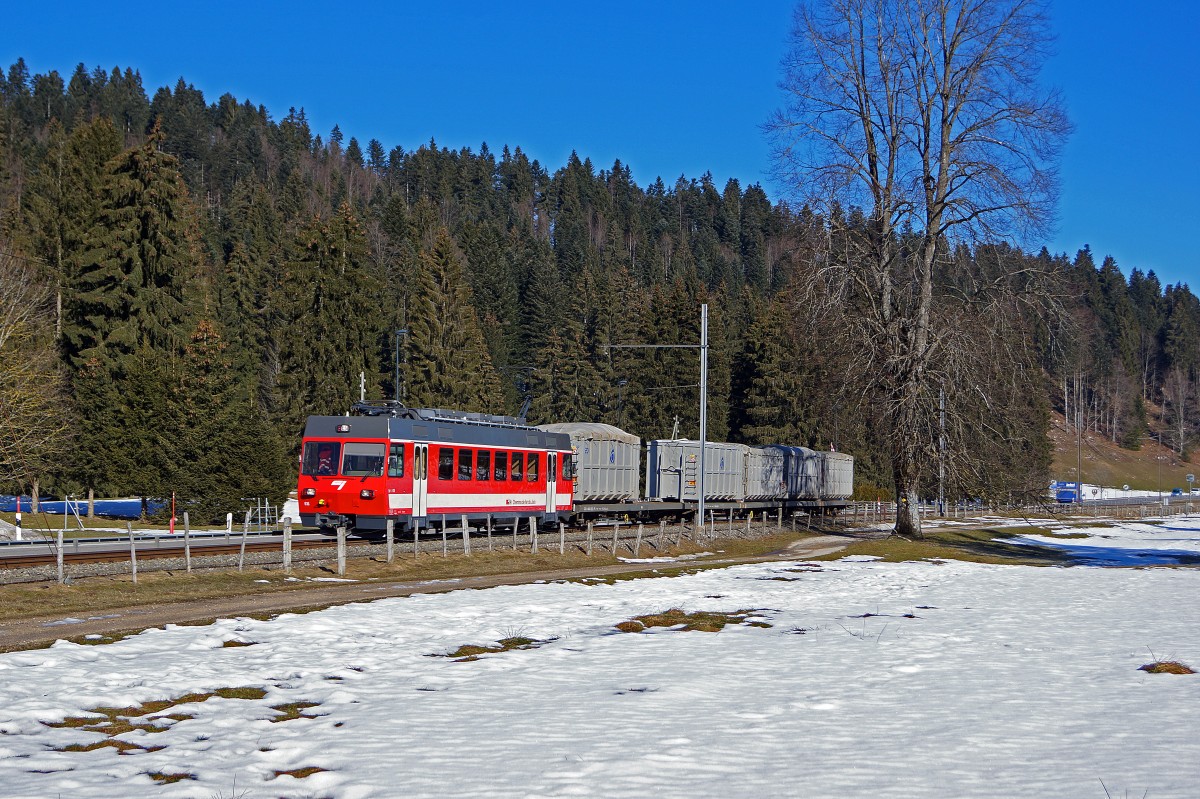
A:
x: 880, y: 680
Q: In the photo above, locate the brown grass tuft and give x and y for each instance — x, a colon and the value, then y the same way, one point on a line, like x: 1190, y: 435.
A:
x: 301, y: 773
x: 292, y: 710
x: 470, y: 652
x: 700, y: 621
x: 1167, y: 667
x: 162, y: 778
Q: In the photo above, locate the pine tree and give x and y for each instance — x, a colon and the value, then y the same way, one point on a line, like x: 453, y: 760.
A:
x: 123, y: 328
x: 448, y: 362
x: 333, y: 322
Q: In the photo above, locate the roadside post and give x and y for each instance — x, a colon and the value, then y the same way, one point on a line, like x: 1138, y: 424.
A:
x: 187, y: 542
x: 287, y: 542
x: 132, y: 552
x: 391, y: 537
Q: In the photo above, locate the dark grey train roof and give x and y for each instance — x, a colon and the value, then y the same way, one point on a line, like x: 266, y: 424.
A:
x: 456, y: 431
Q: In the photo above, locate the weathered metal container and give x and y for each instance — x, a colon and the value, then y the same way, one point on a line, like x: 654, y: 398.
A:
x: 672, y: 469
x: 801, y: 471
x: 837, y: 475
x: 764, y: 474
x: 607, y: 461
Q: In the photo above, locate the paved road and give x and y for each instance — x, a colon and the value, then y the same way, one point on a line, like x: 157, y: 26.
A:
x: 42, y: 631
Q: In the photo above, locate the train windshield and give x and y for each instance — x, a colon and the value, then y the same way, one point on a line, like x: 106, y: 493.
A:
x: 363, y: 460
x: 320, y: 458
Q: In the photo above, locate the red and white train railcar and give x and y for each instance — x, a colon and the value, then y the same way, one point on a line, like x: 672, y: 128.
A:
x: 418, y: 466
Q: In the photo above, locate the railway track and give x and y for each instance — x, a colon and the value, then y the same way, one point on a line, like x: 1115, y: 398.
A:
x: 34, y: 553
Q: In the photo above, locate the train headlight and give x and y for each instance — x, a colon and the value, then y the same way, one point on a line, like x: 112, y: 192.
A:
x: 367, y: 493
x: 321, y: 503
x: 308, y: 493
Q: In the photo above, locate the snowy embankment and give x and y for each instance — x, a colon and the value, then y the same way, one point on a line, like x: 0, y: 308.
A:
x: 874, y: 679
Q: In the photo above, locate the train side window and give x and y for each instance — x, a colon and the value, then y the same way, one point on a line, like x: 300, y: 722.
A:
x: 568, y: 467
x: 465, y: 458
x: 515, y: 473
x: 483, y: 465
x: 531, y: 467
x: 501, y: 472
x: 396, y: 461
x: 445, y: 463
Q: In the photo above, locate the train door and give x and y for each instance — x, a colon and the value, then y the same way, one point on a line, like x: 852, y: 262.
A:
x: 420, y: 500
x: 552, y: 484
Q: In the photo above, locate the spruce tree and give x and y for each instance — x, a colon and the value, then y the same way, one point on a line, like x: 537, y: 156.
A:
x: 123, y: 328
x: 332, y: 324
x: 448, y: 363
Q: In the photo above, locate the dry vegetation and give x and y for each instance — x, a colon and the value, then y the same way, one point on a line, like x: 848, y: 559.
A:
x: 1167, y: 667
x: 95, y: 594
x: 698, y: 621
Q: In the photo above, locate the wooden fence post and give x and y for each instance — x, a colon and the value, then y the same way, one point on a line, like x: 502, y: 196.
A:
x: 489, y: 520
x: 562, y: 539
x: 242, y: 551
x: 466, y: 534
x: 416, y: 540
x: 287, y: 543
x: 589, y: 539
x: 341, y: 551
x: 516, y: 528
x: 533, y: 531
x: 662, y: 531
x: 132, y: 552
x: 637, y: 547
x: 58, y: 557
x: 616, y: 532
x: 391, y: 539
x: 445, y: 545
x: 187, y: 543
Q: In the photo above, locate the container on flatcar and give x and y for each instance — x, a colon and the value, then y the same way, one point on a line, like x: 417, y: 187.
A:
x: 801, y: 471
x: 764, y: 474
x: 607, y: 461
x: 837, y: 475
x: 673, y: 466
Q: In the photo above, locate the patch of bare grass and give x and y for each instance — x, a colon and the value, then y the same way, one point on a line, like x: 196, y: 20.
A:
x: 470, y: 652
x: 301, y: 773
x: 977, y: 546
x: 292, y: 711
x: 163, y: 778
x: 1167, y: 667
x: 111, y: 722
x: 698, y: 621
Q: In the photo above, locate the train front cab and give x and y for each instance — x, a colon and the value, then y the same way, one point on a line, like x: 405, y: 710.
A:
x: 343, y: 482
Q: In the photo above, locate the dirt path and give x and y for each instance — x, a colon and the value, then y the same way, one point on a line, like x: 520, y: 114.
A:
x: 42, y: 631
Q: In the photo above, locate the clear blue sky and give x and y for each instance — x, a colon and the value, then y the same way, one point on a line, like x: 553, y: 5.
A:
x: 671, y: 88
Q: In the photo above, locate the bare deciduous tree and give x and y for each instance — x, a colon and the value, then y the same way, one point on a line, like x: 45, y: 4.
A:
x: 927, y: 116
x: 32, y: 415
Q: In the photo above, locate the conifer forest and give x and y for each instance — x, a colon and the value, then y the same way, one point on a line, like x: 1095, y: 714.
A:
x: 185, y: 279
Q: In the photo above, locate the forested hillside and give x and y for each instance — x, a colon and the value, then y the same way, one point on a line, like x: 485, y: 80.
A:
x: 186, y: 280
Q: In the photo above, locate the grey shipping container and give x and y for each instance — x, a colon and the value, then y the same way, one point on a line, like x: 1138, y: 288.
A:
x: 764, y: 474
x: 837, y: 475
x: 672, y: 469
x: 607, y: 461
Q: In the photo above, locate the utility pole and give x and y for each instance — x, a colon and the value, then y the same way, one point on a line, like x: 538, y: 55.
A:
x: 942, y: 451
x: 703, y: 347
x: 703, y: 405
